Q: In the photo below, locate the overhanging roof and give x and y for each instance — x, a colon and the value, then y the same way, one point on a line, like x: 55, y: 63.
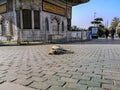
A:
x: 75, y: 2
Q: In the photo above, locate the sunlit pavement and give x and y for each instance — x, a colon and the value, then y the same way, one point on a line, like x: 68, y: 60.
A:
x: 95, y: 65
x: 103, y: 41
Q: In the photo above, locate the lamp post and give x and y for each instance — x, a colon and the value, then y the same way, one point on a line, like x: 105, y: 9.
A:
x: 94, y: 17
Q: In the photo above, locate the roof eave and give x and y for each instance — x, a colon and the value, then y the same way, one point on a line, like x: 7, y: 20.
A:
x: 80, y: 2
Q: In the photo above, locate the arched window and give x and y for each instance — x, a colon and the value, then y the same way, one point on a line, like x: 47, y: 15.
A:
x: 46, y: 24
x: 62, y: 26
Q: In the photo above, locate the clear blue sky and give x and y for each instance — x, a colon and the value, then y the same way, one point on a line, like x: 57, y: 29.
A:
x: 83, y: 14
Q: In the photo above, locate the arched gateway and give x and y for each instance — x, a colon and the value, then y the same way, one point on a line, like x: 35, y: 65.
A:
x: 36, y: 20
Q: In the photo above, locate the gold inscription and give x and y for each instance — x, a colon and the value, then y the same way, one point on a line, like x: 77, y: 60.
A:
x: 3, y: 8
x: 36, y: 2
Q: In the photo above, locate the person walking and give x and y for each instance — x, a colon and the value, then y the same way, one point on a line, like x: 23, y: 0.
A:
x: 112, y: 33
x: 106, y: 33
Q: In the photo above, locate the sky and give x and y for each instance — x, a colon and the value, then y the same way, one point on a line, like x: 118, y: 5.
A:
x: 83, y: 14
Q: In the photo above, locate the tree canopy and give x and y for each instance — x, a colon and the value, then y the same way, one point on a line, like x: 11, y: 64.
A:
x: 97, y: 21
x: 115, y: 22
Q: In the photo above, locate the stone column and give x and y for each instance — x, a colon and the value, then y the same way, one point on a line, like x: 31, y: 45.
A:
x: 16, y: 29
x: 21, y: 28
x: 21, y: 19
x: 33, y: 25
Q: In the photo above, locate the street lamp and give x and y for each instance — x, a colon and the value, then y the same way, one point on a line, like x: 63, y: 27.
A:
x: 94, y: 15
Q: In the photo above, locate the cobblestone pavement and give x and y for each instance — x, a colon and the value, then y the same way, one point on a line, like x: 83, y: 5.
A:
x: 91, y: 67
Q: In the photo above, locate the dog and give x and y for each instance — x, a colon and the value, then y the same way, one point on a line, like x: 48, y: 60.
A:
x: 56, y: 50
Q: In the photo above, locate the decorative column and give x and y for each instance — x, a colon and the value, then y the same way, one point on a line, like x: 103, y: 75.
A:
x: 15, y: 21
x: 32, y: 15
x: 21, y: 20
x: 33, y: 20
x: 33, y: 24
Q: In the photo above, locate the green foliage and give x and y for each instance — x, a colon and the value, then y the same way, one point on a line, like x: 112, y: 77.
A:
x: 97, y: 21
x: 75, y: 28
x: 101, y: 30
x: 114, y: 22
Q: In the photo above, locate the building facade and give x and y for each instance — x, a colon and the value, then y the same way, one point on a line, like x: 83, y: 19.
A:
x: 35, y: 20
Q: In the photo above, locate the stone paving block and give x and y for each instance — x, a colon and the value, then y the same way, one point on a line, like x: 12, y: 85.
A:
x: 24, y: 72
x: 117, y: 83
x: 75, y: 86
x: 58, y: 88
x: 110, y: 87
x: 9, y: 78
x: 92, y: 75
x: 52, y: 78
x: 80, y: 77
x: 85, y: 70
x: 4, y: 68
x: 95, y: 88
x: 48, y: 72
x: 36, y: 70
x: 22, y: 76
x: 74, y: 73
x: 90, y: 83
x: 37, y: 74
x: 2, y: 76
x: 12, y: 86
x: 3, y: 72
x: 73, y: 69
x: 63, y: 75
x: 111, y: 71
x: 69, y: 80
x: 102, y: 81
x: 38, y: 79
x: 23, y: 82
x: 27, y: 69
x: 99, y: 72
x: 112, y: 77
x: 2, y: 81
x: 39, y: 85
x: 54, y: 83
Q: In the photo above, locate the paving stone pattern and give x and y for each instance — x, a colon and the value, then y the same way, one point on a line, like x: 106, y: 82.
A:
x: 91, y: 67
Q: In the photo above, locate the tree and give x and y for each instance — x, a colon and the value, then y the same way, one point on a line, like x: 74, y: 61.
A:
x: 97, y: 21
x: 75, y: 28
x: 101, y: 30
x: 114, y: 22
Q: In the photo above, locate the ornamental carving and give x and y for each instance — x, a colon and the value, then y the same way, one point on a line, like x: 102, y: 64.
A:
x: 57, y: 18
